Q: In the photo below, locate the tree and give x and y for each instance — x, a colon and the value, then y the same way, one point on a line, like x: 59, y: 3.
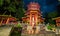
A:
x: 52, y: 14
x: 46, y: 18
x: 1, y: 2
x: 20, y: 10
x: 12, y: 6
x: 49, y: 16
x: 51, y: 21
x: 7, y: 6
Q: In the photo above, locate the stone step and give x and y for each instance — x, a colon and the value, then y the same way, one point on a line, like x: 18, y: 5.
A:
x: 5, y: 31
x: 39, y: 35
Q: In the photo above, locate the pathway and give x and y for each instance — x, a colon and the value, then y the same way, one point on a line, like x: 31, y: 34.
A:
x: 4, y: 31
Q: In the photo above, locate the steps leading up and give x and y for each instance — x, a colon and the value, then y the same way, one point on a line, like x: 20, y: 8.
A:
x: 5, y: 31
x: 41, y: 34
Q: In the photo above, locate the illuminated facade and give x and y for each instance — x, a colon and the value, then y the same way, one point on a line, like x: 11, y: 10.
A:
x: 6, y: 19
x: 33, y: 15
x: 57, y: 21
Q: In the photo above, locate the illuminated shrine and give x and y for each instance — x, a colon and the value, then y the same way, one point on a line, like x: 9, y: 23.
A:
x: 33, y: 16
x: 6, y: 19
x: 57, y: 21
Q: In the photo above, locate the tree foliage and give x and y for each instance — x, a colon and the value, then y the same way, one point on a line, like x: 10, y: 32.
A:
x: 1, y: 2
x: 52, y: 14
x: 49, y: 17
x: 15, y: 6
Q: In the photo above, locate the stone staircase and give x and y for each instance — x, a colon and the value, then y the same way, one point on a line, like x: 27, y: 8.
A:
x: 5, y: 31
x: 41, y: 34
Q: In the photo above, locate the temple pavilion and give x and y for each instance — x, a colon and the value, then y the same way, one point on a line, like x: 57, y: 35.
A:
x: 33, y: 18
x: 57, y: 19
x: 6, y: 19
x: 33, y: 15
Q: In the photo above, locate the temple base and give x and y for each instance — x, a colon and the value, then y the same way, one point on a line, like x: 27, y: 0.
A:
x: 30, y: 30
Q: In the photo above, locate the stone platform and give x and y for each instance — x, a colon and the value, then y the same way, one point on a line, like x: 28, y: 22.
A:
x: 5, y: 31
x: 43, y: 33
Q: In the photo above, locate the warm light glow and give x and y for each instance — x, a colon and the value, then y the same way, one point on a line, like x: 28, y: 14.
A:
x: 33, y: 11
x: 7, y: 21
x: 34, y: 8
x: 30, y: 20
x: 36, y: 18
x: 33, y: 21
x: 34, y: 15
x: 1, y: 21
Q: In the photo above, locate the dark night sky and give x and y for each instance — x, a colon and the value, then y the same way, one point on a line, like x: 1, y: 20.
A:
x: 46, y: 5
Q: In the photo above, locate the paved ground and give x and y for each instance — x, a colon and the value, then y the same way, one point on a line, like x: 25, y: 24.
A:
x: 42, y: 33
x: 4, y: 31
